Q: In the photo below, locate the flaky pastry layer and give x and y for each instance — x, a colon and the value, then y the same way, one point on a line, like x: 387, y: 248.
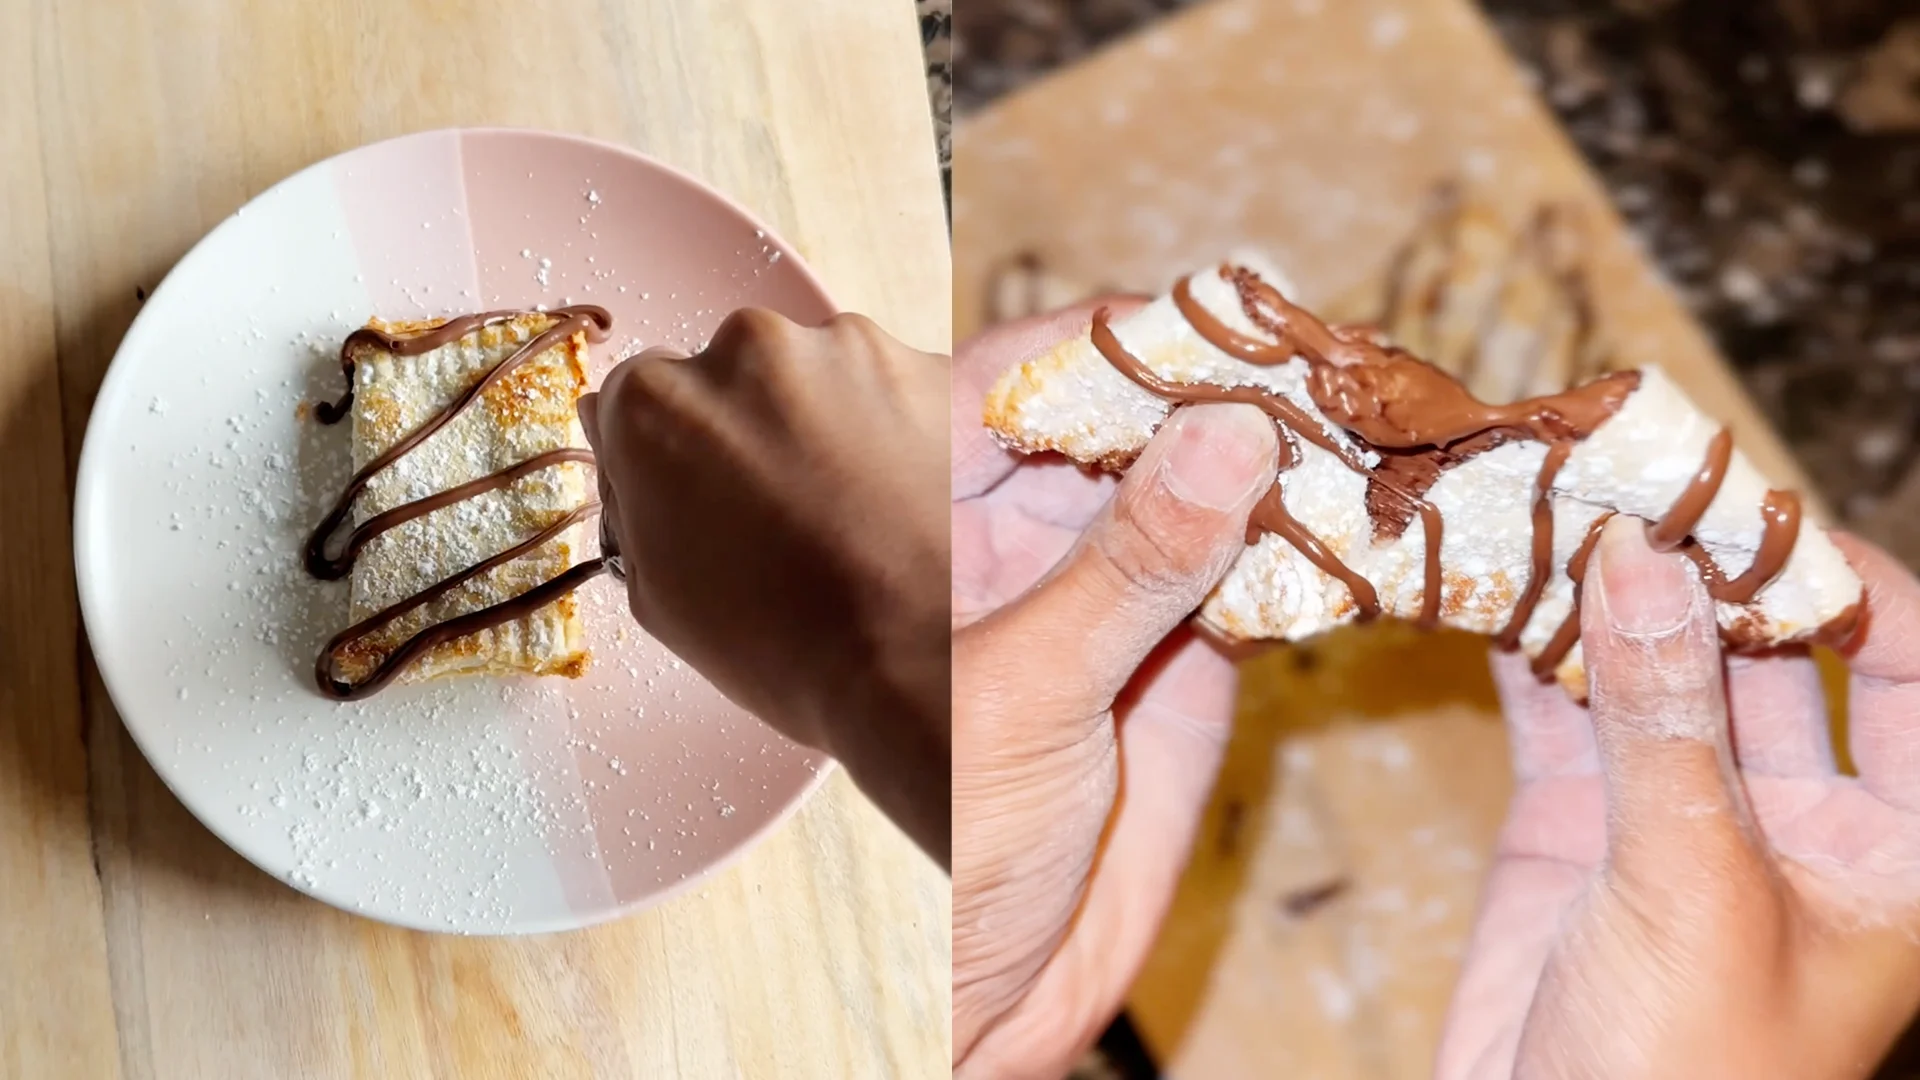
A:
x: 529, y: 412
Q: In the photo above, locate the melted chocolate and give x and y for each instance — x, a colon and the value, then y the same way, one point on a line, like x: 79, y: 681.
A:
x: 1541, y: 566
x: 1403, y: 402
x: 595, y: 322
x: 1291, y: 416
x: 1569, y: 632
x: 1421, y: 421
x: 457, y: 627
x: 1405, y: 475
x: 1271, y: 515
x: 332, y: 412
x: 1782, y: 514
x: 1435, y: 525
x: 332, y: 567
x: 1677, y: 524
x: 1781, y: 510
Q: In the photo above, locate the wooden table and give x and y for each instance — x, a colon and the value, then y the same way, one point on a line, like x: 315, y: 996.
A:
x: 131, y: 942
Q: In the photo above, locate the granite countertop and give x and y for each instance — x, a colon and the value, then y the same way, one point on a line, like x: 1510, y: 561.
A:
x: 936, y: 37
x: 1767, y: 154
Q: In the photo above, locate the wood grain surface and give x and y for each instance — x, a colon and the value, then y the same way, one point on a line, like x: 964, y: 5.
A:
x: 132, y: 944
x: 1318, y: 930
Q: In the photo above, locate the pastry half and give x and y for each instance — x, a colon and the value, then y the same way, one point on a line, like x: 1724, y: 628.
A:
x: 528, y: 412
x: 1503, y: 306
x: 1377, y: 499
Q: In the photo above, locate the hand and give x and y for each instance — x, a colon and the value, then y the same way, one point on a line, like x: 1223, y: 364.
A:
x: 1088, y: 725
x: 776, y: 500
x: 1686, y: 886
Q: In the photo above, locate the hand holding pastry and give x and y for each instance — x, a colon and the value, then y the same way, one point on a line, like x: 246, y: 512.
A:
x: 1686, y: 885
x: 1071, y: 668
x: 776, y: 501
x: 1399, y: 493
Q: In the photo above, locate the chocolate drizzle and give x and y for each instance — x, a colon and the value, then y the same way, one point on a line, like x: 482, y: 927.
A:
x: 1541, y: 563
x: 595, y: 322
x: 460, y: 626
x: 1563, y: 638
x: 1781, y: 512
x: 334, y: 567
x: 1678, y: 522
x: 1420, y: 421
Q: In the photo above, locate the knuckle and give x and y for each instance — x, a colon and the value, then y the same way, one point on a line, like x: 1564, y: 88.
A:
x: 855, y: 325
x: 642, y: 385
x: 1160, y: 544
x: 751, y: 329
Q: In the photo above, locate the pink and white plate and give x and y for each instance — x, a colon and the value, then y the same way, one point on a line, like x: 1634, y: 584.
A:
x: 478, y: 806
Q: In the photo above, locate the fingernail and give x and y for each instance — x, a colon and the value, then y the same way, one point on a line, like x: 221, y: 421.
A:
x: 1221, y: 455
x: 1647, y: 594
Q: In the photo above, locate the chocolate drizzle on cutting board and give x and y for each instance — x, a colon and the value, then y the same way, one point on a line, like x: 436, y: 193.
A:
x: 1421, y: 421
x: 594, y: 322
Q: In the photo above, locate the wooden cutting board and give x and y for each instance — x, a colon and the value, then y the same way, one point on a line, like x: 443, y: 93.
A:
x: 131, y: 942
x: 1318, y: 930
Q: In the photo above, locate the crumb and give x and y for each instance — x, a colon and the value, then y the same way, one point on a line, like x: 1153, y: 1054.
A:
x: 1303, y: 902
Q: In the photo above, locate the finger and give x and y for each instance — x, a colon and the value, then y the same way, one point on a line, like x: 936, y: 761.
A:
x: 1779, y: 712
x: 613, y: 388
x: 1056, y: 491
x: 1883, y: 712
x: 589, y: 410
x: 609, y: 531
x: 1020, y: 531
x: 978, y: 461
x: 617, y: 424
x: 1519, y: 925
x: 743, y: 327
x: 1172, y: 740
x: 1173, y: 528
x: 1550, y: 734
x: 1018, y: 551
x: 659, y: 352
x: 1659, y: 714
x: 622, y: 371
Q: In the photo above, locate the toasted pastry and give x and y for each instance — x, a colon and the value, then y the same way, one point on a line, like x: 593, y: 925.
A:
x: 529, y: 412
x: 1409, y: 457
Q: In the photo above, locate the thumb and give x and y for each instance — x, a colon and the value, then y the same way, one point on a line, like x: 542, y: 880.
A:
x: 589, y: 410
x: 1173, y: 528
x: 1674, y: 805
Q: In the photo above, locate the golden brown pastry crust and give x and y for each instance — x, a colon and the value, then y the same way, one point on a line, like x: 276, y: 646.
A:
x: 530, y: 411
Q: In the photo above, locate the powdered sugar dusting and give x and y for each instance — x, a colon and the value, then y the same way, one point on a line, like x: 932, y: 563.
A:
x: 472, y: 805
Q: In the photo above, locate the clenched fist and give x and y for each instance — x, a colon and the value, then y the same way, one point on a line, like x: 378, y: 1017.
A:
x: 779, y: 502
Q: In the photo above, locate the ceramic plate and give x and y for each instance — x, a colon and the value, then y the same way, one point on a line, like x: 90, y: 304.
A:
x: 478, y: 805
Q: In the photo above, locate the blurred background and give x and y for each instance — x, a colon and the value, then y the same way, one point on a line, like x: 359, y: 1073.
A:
x: 1761, y: 156
x: 1765, y: 152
